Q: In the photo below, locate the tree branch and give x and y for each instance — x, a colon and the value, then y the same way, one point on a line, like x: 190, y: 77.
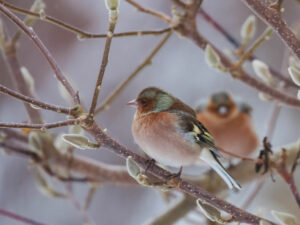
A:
x: 34, y: 101
x: 121, y: 87
x: 40, y: 126
x: 32, y: 35
x: 19, y: 218
x: 75, y: 30
x: 273, y: 18
x: 112, y: 24
x: 236, y: 44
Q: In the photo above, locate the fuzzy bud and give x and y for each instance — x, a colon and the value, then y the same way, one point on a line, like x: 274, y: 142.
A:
x: 212, y: 59
x: 112, y: 4
x: 284, y: 218
x: 132, y: 168
x: 212, y: 213
x: 262, y: 71
x: 295, y: 74
x: 79, y: 141
x: 293, y: 62
x: 29, y: 81
x: 248, y: 28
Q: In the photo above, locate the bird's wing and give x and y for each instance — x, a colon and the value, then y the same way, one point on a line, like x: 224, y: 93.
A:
x: 195, y: 131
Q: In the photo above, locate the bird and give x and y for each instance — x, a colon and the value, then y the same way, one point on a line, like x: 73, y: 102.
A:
x: 230, y: 123
x: 167, y: 130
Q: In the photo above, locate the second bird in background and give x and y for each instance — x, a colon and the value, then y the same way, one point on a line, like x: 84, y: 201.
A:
x: 229, y: 121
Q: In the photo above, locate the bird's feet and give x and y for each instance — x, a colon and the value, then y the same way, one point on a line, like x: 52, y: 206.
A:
x: 150, y: 163
x: 174, y: 179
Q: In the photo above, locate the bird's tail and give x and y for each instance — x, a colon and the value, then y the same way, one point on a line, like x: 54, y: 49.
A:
x: 212, y: 160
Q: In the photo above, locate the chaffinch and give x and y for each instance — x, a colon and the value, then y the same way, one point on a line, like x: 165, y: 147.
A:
x: 168, y: 131
x: 229, y: 121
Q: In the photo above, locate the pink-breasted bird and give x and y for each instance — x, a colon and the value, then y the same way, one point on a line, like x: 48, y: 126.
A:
x: 229, y: 121
x: 168, y: 131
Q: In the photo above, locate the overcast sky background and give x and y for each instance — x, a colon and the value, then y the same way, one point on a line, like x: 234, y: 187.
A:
x: 179, y: 68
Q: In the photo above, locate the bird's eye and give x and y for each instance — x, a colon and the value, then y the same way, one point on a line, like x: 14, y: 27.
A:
x: 143, y: 101
x: 223, y: 110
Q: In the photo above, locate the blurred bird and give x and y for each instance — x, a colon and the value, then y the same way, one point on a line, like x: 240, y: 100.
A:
x: 230, y: 123
x: 167, y: 130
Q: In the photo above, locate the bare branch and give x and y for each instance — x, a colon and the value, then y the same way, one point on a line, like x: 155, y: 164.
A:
x: 175, y: 212
x: 121, y: 87
x: 151, y: 12
x: 75, y: 30
x: 112, y: 24
x: 43, y: 126
x: 19, y: 218
x: 273, y: 18
x: 32, y: 35
x: 240, y: 74
x: 34, y: 101
x: 236, y: 44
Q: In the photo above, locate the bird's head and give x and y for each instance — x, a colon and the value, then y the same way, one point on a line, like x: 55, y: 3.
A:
x: 221, y: 105
x: 153, y: 99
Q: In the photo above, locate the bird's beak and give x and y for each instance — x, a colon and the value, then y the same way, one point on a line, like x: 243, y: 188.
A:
x: 133, y: 103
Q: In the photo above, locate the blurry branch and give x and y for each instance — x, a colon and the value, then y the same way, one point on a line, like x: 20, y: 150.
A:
x: 33, y: 101
x: 113, y: 18
x: 42, y: 126
x: 178, y: 211
x: 81, y: 34
x: 19, y: 218
x: 121, y: 87
x: 86, y: 218
x: 10, y: 57
x: 236, y: 44
x: 38, y: 6
x: 288, y: 177
x: 45, y: 52
x: 265, y: 36
x: 93, y: 170
x: 273, y: 18
x: 91, y: 193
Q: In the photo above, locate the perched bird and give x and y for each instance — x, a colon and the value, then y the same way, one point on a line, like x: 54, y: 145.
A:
x: 230, y: 123
x: 168, y: 131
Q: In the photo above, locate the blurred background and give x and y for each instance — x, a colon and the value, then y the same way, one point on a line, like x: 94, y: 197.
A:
x: 179, y: 67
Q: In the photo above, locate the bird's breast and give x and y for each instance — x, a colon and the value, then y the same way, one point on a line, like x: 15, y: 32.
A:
x: 158, y: 137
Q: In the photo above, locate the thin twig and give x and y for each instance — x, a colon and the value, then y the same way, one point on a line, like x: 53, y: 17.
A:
x: 86, y: 218
x: 40, y: 126
x: 112, y: 24
x: 11, y: 59
x: 265, y: 36
x: 273, y: 18
x: 178, y: 210
x: 288, y: 177
x: 12, y: 134
x: 32, y: 35
x: 75, y: 30
x: 121, y: 87
x: 34, y: 101
x: 19, y: 218
x: 150, y: 11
